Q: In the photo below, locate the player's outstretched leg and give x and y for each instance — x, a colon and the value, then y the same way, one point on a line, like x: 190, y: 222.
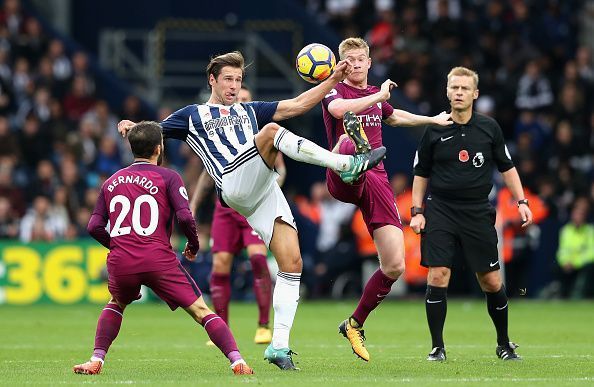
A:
x: 354, y: 129
x: 220, y: 334
x: 108, y: 328
x: 263, y: 292
x: 350, y: 168
x: 361, y: 163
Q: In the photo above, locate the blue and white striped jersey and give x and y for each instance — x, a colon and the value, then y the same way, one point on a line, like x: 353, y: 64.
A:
x: 218, y: 133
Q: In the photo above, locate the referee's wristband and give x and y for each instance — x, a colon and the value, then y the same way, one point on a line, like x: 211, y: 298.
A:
x: 523, y: 201
x: 415, y: 211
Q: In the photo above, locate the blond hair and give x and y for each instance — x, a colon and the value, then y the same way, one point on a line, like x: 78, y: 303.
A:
x: 464, y: 72
x: 352, y: 44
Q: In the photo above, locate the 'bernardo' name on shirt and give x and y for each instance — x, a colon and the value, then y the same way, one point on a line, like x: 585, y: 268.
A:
x: 143, y: 182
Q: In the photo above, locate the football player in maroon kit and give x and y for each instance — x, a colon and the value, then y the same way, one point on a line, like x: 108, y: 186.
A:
x: 359, y: 109
x: 139, y: 202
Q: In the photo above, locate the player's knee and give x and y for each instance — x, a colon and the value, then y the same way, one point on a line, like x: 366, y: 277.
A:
x: 198, y: 310
x: 291, y: 264
x: 269, y: 130
x: 394, y: 269
x: 341, y: 139
x: 221, y: 265
x: 116, y: 302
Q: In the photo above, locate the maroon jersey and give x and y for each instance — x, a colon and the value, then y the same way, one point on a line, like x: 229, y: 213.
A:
x: 371, y: 118
x: 372, y: 193
x: 140, y: 202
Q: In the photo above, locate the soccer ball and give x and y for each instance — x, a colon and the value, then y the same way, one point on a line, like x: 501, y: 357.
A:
x: 315, y: 62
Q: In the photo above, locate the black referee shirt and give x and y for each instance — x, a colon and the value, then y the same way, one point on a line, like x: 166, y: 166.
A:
x: 459, y: 159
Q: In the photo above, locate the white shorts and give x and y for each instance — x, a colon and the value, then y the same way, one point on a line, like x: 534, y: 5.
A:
x: 250, y: 188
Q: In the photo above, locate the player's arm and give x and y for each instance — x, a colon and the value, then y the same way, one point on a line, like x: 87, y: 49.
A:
x: 178, y: 198
x: 281, y: 169
x: 339, y: 106
x: 204, y: 187
x: 308, y: 99
x: 186, y: 222
x: 512, y: 181
x: 404, y: 118
x: 98, y: 222
x: 177, y: 125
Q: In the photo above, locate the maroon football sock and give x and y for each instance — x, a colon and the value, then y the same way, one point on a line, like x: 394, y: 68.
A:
x: 375, y: 291
x: 262, y: 287
x: 220, y: 293
x: 220, y: 334
x: 108, y: 328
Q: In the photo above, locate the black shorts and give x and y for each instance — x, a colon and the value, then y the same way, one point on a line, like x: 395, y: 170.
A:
x: 459, y: 229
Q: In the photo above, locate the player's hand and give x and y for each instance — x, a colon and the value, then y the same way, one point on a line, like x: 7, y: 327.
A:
x: 385, y: 89
x: 190, y: 256
x: 443, y: 119
x: 341, y: 71
x: 417, y: 223
x: 124, y: 126
x: 525, y: 214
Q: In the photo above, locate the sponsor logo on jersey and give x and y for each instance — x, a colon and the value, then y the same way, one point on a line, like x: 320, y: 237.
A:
x: 370, y: 119
x: 220, y: 123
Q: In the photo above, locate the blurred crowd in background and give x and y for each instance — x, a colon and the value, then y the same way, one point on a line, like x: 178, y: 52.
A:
x: 58, y: 137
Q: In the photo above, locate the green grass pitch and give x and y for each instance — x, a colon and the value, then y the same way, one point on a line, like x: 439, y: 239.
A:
x: 40, y: 344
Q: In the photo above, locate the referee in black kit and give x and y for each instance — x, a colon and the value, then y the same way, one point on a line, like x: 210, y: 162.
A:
x: 457, y: 163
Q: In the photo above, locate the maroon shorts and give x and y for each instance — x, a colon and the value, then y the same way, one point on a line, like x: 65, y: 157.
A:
x: 231, y: 232
x: 372, y: 193
x: 174, y: 286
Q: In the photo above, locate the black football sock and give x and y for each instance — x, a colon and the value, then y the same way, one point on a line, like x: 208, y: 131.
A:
x: 436, y: 306
x: 497, y: 307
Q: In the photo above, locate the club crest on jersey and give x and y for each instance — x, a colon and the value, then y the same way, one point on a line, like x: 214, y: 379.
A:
x: 463, y: 155
x: 478, y: 160
x: 224, y: 111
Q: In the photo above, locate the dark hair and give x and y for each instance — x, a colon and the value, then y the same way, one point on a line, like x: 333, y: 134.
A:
x: 216, y: 64
x: 144, y: 138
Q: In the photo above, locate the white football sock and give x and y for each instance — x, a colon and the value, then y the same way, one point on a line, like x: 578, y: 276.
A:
x: 301, y: 149
x: 236, y: 362
x: 284, y: 301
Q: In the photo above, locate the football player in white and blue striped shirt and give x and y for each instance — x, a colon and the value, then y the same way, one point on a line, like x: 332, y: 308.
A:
x: 238, y: 144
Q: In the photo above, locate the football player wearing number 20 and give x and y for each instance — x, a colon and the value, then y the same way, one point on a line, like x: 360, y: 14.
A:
x: 139, y: 202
